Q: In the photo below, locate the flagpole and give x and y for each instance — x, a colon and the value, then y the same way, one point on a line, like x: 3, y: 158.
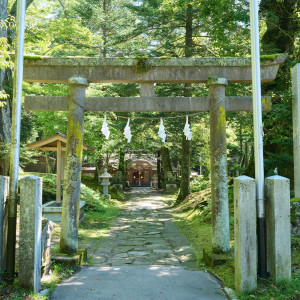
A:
x: 258, y: 138
x: 15, y: 139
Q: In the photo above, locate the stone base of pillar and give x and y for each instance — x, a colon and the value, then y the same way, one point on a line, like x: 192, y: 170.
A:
x: 75, y: 260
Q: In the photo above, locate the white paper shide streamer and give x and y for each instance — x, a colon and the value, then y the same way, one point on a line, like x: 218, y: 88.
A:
x: 105, y: 129
x: 161, y: 131
x: 187, y: 129
x: 127, y: 132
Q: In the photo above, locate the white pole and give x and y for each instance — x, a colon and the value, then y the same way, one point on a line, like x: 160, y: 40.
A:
x: 15, y: 137
x: 258, y: 135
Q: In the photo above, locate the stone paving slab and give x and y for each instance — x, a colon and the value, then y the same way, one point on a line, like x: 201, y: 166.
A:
x: 139, y: 283
x: 144, y: 256
x: 145, y: 228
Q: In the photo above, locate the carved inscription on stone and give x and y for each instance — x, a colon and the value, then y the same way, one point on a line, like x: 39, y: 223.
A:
x: 74, y: 142
x: 73, y: 164
x: 70, y: 189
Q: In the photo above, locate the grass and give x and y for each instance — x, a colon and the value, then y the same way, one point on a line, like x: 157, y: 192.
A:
x: 49, y: 184
x: 199, y: 233
x: 100, y: 211
x: 90, y: 188
x: 196, y: 227
x: 15, y: 292
x: 295, y: 200
x: 96, y: 224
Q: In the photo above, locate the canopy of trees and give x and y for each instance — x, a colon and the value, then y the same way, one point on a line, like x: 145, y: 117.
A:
x: 154, y: 28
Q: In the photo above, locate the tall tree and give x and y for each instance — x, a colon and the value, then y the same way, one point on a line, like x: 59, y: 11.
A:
x: 282, y: 20
x: 186, y: 144
x: 282, y: 28
x: 7, y: 35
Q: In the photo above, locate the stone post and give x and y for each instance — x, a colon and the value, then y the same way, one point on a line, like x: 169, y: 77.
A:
x: 245, y: 245
x: 4, y: 191
x: 296, y: 126
x: 218, y: 165
x: 72, y: 179
x: 105, y: 182
x: 278, y: 227
x: 30, y: 258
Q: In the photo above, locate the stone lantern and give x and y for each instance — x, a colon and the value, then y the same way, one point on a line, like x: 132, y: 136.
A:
x: 105, y: 182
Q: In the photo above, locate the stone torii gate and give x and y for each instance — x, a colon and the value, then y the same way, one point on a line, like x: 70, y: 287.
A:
x: 78, y: 72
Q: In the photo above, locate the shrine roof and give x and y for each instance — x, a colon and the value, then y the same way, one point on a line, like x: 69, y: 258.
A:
x: 142, y: 162
x: 52, y: 143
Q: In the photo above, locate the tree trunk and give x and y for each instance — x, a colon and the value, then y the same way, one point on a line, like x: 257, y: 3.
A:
x: 159, y: 172
x: 99, y: 167
x: 250, y: 170
x: 282, y: 25
x: 189, y: 31
x: 6, y: 84
x: 122, y: 161
x: 246, y: 159
x: 282, y: 20
x: 166, y: 165
x: 185, y: 170
x: 186, y: 144
x: 122, y: 167
x: 104, y: 27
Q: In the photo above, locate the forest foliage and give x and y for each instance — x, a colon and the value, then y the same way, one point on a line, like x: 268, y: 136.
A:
x: 155, y: 28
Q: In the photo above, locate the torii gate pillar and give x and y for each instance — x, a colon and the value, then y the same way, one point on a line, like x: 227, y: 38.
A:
x: 72, y: 179
x: 218, y: 161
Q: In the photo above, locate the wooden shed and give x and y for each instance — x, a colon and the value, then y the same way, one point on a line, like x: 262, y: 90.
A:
x: 56, y: 143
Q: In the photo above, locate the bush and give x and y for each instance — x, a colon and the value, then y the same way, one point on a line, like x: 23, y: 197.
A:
x: 199, y: 183
x: 49, y: 185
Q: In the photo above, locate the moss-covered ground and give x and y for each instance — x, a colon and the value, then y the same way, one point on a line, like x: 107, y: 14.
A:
x: 99, y: 211
x: 193, y: 219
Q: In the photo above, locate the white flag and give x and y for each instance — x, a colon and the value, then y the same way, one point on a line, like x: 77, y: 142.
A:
x: 127, y: 131
x: 161, y: 131
x: 187, y: 129
x: 105, y: 129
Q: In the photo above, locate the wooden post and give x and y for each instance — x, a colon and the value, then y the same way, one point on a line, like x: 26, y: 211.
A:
x: 218, y: 165
x: 63, y: 163
x: 72, y: 179
x: 58, y: 173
